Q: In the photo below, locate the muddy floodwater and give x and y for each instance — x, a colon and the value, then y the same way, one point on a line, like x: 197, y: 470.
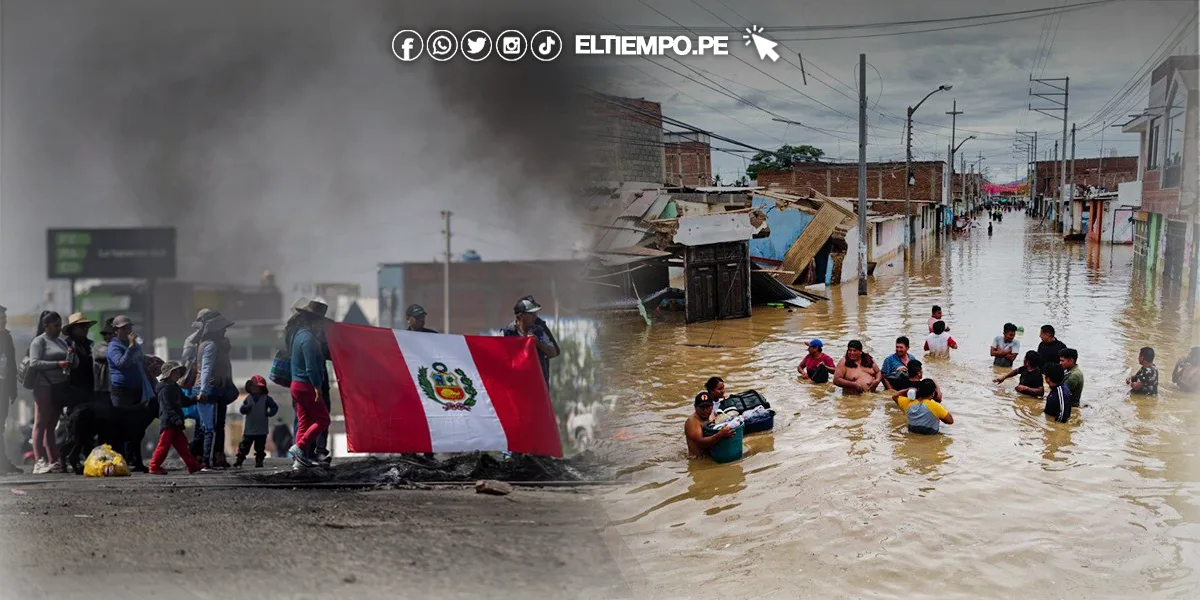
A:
x: 839, y: 501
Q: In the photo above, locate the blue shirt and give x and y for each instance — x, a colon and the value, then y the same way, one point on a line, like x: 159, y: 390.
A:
x: 125, y: 365
x: 891, y: 364
x: 308, y: 362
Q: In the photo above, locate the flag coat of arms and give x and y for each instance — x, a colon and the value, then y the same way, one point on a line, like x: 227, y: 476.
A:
x: 406, y: 391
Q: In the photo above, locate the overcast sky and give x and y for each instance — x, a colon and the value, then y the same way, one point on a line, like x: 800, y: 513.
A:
x: 1098, y: 47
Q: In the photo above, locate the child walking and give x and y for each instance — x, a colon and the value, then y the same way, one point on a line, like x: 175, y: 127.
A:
x: 258, y: 408
x: 170, y: 421
x: 924, y: 414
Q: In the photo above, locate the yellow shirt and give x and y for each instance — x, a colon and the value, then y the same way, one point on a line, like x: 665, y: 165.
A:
x: 938, y: 410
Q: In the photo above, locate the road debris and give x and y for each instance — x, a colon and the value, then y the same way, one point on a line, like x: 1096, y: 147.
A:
x: 493, y: 487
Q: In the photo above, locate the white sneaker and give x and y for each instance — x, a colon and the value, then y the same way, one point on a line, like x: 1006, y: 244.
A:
x: 57, y: 467
x: 41, y: 467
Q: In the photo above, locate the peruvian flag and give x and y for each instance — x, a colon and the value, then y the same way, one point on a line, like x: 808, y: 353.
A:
x: 407, y: 391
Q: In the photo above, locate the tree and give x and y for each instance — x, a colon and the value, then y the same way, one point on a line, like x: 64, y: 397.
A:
x: 783, y: 158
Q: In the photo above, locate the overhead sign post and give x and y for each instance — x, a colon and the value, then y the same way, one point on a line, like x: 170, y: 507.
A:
x: 119, y: 253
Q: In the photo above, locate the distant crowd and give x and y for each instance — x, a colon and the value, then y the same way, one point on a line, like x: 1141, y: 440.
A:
x: 1051, y: 372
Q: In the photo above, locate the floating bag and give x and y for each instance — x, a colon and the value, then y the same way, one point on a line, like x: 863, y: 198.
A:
x: 728, y: 449
x: 745, y: 401
x: 105, y: 462
x: 763, y: 420
x: 281, y: 369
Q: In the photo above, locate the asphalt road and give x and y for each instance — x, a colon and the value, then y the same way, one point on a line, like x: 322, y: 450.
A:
x: 197, y: 537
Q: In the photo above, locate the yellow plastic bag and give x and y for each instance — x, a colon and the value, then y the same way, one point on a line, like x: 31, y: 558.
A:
x: 105, y: 462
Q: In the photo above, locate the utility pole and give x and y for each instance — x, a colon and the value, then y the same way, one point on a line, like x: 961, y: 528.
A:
x: 1101, y: 173
x: 963, y: 158
x: 1071, y: 177
x: 1056, y: 213
x: 446, y: 277
x: 954, y: 112
x: 909, y: 178
x: 1059, y: 105
x: 862, y: 175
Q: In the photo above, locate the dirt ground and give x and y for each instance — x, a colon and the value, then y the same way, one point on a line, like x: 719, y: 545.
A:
x: 199, y: 537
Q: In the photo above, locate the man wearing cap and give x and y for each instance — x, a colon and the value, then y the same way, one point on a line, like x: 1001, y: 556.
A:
x: 8, y: 388
x: 693, y: 429
x: 100, y: 362
x: 415, y: 318
x: 816, y: 366
x: 526, y: 325
x: 129, y: 384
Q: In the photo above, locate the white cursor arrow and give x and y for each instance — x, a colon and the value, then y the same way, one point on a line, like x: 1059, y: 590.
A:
x: 765, y: 47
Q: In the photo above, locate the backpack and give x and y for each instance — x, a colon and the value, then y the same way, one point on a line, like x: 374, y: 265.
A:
x: 281, y: 369
x: 23, y: 372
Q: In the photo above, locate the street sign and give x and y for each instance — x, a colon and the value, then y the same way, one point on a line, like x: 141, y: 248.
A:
x: 132, y: 253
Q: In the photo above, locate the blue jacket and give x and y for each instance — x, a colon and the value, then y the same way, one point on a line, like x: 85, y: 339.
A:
x: 125, y: 368
x: 308, y: 362
x: 216, y: 371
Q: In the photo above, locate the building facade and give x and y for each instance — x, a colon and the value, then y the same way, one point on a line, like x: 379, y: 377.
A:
x: 688, y: 158
x: 1167, y: 229
x: 628, y: 137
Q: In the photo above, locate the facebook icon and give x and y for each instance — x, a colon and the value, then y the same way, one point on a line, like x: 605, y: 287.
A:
x: 408, y: 45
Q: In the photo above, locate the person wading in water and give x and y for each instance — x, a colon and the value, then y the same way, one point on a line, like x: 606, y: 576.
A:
x: 693, y: 429
x: 857, y: 372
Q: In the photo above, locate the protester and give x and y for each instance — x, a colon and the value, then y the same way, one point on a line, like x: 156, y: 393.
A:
x: 1050, y: 346
x: 258, y: 408
x: 895, y: 366
x: 1146, y: 380
x: 190, y: 355
x: 1031, y: 383
x: 816, y: 366
x: 526, y: 325
x: 693, y: 429
x: 101, y: 373
x: 170, y: 421
x: 1058, y: 401
x: 8, y: 389
x: 857, y: 372
x: 415, y: 318
x: 50, y: 362
x: 939, y: 342
x: 923, y: 412
x: 129, y: 384
x: 1005, y: 348
x: 82, y: 379
x: 935, y: 317
x: 213, y: 387
x: 308, y: 372
x: 1186, y: 373
x: 1068, y: 359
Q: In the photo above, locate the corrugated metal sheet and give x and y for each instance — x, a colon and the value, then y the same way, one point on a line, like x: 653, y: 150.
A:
x: 810, y: 241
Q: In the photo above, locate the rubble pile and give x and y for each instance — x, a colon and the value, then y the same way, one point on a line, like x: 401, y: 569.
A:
x: 466, y: 468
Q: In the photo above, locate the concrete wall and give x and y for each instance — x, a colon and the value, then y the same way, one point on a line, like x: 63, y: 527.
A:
x: 887, y: 239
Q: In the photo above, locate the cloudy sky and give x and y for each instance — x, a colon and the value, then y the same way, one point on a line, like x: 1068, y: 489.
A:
x: 1100, y: 47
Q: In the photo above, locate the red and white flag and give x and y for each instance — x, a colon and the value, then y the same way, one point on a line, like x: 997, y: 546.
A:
x: 406, y: 391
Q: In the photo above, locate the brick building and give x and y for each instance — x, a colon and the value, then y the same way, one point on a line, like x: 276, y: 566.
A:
x: 1166, y: 230
x: 628, y: 133
x: 688, y: 158
x: 840, y: 180
x: 482, y: 294
x: 1106, y: 172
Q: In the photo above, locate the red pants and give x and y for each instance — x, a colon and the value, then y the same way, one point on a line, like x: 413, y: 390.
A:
x: 310, y: 412
x: 174, y: 438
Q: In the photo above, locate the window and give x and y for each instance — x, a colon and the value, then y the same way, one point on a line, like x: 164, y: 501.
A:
x: 879, y: 234
x: 1152, y: 160
x: 1173, y: 149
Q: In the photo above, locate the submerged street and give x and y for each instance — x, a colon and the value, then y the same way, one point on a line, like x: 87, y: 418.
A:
x: 840, y: 501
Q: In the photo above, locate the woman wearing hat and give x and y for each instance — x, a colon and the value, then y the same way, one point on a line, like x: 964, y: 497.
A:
x: 82, y: 378
x: 308, y: 383
x: 212, y: 386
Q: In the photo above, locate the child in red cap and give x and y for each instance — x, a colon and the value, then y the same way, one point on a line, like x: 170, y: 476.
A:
x: 258, y: 408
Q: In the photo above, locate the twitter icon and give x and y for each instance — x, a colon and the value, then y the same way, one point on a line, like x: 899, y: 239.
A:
x: 476, y: 45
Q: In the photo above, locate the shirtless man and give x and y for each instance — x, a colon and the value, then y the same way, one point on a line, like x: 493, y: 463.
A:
x: 693, y: 429
x: 857, y: 372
